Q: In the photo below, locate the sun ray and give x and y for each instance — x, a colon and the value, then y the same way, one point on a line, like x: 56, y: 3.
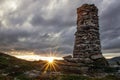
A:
x: 54, y: 67
x: 50, y: 66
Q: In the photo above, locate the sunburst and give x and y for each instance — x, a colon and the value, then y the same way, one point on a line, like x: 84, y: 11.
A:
x: 51, y: 63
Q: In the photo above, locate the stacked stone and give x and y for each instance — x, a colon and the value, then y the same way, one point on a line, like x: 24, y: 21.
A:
x: 87, y: 42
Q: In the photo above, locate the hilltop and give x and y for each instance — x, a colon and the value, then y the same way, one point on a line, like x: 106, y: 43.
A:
x: 12, y: 68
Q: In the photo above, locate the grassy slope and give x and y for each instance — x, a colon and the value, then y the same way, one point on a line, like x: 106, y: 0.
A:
x: 16, y: 67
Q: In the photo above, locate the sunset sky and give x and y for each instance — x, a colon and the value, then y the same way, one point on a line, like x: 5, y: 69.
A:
x: 43, y: 25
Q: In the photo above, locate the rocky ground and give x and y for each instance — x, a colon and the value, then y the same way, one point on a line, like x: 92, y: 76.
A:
x: 12, y: 68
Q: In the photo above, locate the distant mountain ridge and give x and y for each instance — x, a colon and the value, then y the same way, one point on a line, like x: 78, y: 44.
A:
x: 115, y: 59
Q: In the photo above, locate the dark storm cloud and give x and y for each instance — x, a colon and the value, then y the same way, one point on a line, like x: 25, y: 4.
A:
x: 57, y: 21
x: 110, y: 28
x: 10, y: 37
x: 44, y: 24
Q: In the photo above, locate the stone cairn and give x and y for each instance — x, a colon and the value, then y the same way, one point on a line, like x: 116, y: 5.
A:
x: 87, y: 48
x: 87, y: 41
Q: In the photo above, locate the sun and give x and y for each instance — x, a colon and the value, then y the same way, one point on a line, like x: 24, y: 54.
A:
x: 50, y: 65
x: 50, y: 59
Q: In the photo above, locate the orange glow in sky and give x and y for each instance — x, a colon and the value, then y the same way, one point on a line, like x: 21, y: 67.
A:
x: 50, y: 57
x: 37, y: 57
